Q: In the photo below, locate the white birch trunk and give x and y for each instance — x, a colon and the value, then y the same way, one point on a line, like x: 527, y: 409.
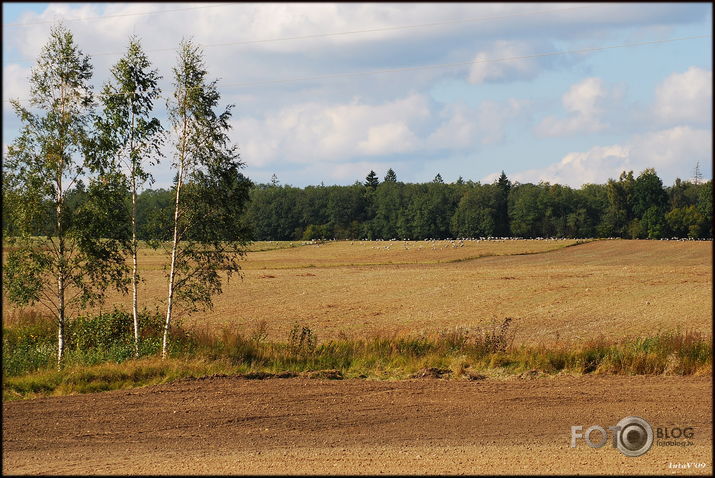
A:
x: 172, y: 271
x: 175, y: 244
x: 61, y: 318
x: 135, y: 266
x: 61, y: 250
x: 135, y: 272
x: 60, y: 274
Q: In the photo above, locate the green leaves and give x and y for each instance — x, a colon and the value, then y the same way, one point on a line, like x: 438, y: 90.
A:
x: 127, y: 133
x: 81, y: 251
x: 60, y: 79
x: 390, y: 177
x: 648, y: 192
x: 371, y: 180
x: 25, y: 271
x: 103, y: 238
x: 476, y: 214
x: 210, y: 192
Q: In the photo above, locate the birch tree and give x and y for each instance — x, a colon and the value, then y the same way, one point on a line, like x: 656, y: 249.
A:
x: 131, y: 138
x: 210, y: 194
x: 81, y: 256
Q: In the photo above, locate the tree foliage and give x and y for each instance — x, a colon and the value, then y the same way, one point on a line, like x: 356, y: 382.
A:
x: 439, y: 210
x: 210, y: 193
x: 129, y: 138
x: 64, y: 254
x: 371, y: 180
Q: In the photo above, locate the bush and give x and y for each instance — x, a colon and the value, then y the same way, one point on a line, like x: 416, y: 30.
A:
x: 30, y: 341
x: 302, y: 341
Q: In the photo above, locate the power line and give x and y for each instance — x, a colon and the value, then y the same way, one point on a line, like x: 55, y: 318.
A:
x: 22, y: 24
x: 317, y: 35
x: 370, y: 30
x: 449, y: 65
x: 463, y: 63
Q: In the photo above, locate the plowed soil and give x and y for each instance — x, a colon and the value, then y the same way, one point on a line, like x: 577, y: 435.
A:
x: 302, y: 426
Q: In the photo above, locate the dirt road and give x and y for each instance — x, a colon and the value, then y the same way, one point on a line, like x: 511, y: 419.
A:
x: 238, y: 426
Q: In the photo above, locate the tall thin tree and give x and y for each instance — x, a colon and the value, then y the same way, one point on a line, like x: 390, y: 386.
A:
x: 80, y: 255
x: 208, y: 235
x: 131, y: 138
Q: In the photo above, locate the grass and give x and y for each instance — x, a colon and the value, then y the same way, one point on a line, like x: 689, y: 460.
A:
x: 97, y: 358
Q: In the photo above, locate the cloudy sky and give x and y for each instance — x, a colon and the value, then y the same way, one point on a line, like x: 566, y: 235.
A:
x: 561, y: 92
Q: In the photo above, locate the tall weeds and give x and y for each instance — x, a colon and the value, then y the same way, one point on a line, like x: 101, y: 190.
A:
x: 100, y: 354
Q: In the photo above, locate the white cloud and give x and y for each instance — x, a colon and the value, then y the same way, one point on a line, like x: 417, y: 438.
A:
x: 458, y: 129
x: 685, y: 97
x: 583, y: 97
x: 464, y: 127
x: 593, y: 166
x: 14, y: 83
x: 230, y: 24
x: 495, y: 116
x: 672, y: 152
x: 299, y: 125
x: 310, y: 131
x: 586, y: 102
x: 483, y: 71
x: 387, y: 138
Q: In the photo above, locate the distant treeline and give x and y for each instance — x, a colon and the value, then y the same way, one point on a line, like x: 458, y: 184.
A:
x: 630, y: 207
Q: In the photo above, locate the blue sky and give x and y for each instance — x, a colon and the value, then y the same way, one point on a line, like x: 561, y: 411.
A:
x: 568, y: 118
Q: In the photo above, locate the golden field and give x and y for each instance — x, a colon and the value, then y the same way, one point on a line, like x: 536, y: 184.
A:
x: 553, y: 289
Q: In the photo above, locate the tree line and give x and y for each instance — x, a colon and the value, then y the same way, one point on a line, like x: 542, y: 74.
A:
x: 631, y: 207
x: 71, y: 181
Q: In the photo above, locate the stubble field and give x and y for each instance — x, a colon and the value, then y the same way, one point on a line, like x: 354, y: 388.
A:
x: 555, y: 290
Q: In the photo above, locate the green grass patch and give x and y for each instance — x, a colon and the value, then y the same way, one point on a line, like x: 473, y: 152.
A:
x: 99, y: 355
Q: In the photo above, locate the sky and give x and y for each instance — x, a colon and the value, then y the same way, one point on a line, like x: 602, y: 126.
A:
x: 568, y: 93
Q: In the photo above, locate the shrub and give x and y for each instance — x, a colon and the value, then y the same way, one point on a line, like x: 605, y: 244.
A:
x: 301, y: 341
x: 30, y: 341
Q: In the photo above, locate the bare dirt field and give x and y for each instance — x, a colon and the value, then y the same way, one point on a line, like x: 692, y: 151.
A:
x: 302, y: 426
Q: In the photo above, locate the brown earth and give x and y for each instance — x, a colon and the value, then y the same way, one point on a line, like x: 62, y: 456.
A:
x: 301, y: 426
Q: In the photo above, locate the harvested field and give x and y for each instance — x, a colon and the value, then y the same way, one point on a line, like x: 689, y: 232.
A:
x: 296, y: 255
x: 614, y: 288
x: 303, y: 426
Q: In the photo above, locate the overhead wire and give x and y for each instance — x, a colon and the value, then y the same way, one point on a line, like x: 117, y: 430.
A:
x: 446, y: 65
x: 401, y: 69
x: 462, y: 63
x: 103, y: 17
x: 369, y: 30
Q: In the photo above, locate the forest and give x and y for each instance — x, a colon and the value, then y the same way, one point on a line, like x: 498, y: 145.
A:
x: 631, y: 207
